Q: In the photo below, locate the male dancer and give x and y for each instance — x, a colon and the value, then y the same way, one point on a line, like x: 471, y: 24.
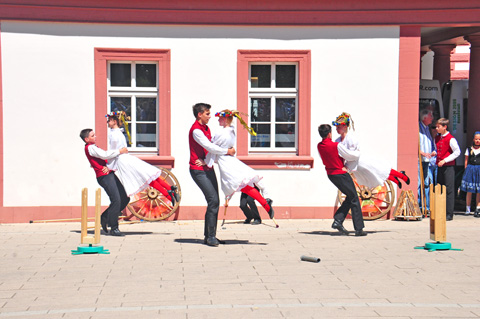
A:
x: 333, y: 155
x: 199, y: 139
x: 107, y: 179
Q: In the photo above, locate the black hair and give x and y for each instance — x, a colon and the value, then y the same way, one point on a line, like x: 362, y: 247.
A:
x: 324, y: 130
x: 84, y: 133
x: 200, y: 108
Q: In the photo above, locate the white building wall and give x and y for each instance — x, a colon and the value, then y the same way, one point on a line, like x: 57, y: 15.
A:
x: 48, y: 97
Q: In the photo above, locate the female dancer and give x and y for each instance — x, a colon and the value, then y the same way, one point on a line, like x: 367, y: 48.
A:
x: 370, y: 172
x: 235, y: 175
x: 471, y: 177
x: 135, y: 174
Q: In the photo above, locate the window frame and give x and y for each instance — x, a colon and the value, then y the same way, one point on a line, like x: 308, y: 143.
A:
x: 274, y: 160
x: 161, y: 57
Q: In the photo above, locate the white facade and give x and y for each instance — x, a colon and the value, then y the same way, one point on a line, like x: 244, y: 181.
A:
x: 49, y: 95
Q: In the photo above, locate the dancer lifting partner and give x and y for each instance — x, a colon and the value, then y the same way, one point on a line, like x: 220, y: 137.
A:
x: 199, y: 139
x: 368, y: 171
x: 107, y: 179
x: 235, y: 175
x: 333, y: 155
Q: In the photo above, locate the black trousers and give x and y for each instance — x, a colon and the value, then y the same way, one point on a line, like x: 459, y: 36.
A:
x: 117, y: 195
x: 207, y: 182
x: 446, y: 176
x: 345, y: 184
x: 248, y: 206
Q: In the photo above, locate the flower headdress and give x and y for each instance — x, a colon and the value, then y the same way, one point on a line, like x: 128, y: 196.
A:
x: 239, y: 117
x: 122, y: 118
x: 344, y: 118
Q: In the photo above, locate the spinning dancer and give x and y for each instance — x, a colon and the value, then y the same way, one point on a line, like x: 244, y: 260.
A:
x: 135, y: 174
x: 235, y: 175
x: 199, y: 140
x: 107, y: 179
x: 368, y: 171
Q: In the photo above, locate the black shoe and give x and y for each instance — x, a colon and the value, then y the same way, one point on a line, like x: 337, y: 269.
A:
x: 175, y: 193
x: 408, y: 178
x: 256, y: 222
x: 172, y: 197
x: 221, y: 242
x: 360, y: 232
x: 338, y: 226
x: 477, y: 213
x: 449, y: 217
x: 103, y: 222
x: 116, y: 232
x: 212, y: 241
x: 271, y: 213
x: 398, y: 182
x: 247, y: 221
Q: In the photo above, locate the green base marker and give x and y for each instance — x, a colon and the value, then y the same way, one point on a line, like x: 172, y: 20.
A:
x: 438, y: 246
x: 90, y: 250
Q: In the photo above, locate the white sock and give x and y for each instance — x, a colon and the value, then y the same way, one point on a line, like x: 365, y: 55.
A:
x: 468, y: 209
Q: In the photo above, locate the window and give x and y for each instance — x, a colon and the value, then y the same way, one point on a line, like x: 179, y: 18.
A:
x: 273, y: 107
x: 273, y: 88
x: 136, y: 81
x: 133, y: 88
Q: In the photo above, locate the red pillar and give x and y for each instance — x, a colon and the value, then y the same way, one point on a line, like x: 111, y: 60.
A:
x: 473, y: 111
x: 441, y: 62
x: 408, y: 95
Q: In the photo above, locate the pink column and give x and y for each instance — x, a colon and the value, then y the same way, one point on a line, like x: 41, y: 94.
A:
x: 473, y: 112
x: 408, y: 82
x: 441, y: 62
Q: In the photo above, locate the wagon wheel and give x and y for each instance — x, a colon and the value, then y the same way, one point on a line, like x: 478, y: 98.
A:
x: 375, y: 202
x: 151, y: 205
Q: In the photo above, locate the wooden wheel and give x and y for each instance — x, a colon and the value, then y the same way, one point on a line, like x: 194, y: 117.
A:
x: 375, y: 202
x: 151, y: 205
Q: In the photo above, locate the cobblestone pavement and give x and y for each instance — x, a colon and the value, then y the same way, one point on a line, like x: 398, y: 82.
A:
x: 163, y: 270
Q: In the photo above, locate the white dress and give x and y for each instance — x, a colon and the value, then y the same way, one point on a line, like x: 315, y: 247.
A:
x: 134, y: 174
x: 368, y: 171
x: 234, y: 174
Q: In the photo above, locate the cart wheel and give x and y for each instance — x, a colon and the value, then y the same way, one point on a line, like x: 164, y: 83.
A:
x: 151, y: 205
x: 375, y: 202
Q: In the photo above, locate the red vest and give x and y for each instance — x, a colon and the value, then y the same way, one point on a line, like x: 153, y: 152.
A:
x: 96, y: 163
x: 329, y: 153
x: 443, y: 148
x: 196, y: 150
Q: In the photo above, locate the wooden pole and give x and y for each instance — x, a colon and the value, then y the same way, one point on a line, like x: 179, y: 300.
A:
x: 84, y: 220
x: 98, y: 211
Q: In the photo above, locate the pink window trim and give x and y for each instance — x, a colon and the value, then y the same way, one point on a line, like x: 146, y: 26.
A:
x: 302, y: 160
x: 162, y: 57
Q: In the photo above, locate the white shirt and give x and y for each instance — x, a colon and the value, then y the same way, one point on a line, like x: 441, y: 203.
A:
x: 201, y: 139
x: 455, y: 148
x: 97, y: 152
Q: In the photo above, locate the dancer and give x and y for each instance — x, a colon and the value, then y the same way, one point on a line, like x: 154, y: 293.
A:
x: 235, y: 175
x: 135, y: 174
x: 199, y: 139
x: 107, y: 179
x: 250, y: 210
x: 471, y: 177
x: 333, y: 155
x: 370, y: 172
x: 447, y: 151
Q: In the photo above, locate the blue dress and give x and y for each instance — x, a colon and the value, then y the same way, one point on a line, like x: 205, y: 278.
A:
x: 471, y: 177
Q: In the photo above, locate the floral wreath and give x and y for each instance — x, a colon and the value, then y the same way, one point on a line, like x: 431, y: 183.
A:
x: 122, y: 118
x: 345, y: 119
x: 239, y: 117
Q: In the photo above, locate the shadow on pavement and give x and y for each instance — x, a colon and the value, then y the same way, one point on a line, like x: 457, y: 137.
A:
x: 127, y: 233
x: 227, y: 242
x: 337, y: 233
